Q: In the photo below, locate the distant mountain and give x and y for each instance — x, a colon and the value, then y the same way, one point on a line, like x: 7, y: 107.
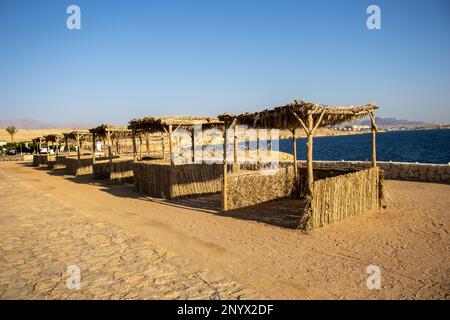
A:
x: 31, y: 124
x: 392, y: 122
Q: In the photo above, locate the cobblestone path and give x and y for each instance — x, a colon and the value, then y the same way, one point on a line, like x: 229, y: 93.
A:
x: 40, y: 237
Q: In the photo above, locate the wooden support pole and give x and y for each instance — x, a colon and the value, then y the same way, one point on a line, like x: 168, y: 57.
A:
x: 374, y: 139
x: 294, y: 147
x: 93, y: 148
x: 108, y: 135
x: 147, y: 143
x: 163, y: 148
x: 78, y: 147
x: 171, y: 146
x: 258, y: 146
x: 269, y: 145
x: 235, y: 150
x: 48, y: 150
x: 224, y: 180
x: 310, y: 154
x: 193, y: 144
x: 133, y: 137
x: 140, y: 146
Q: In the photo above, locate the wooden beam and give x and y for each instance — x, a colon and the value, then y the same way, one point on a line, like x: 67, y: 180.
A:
x: 78, y: 147
x: 235, y: 151
x: 374, y: 139
x: 224, y: 179
x: 133, y: 137
x: 193, y: 145
x: 294, y: 147
x: 318, y: 122
x: 257, y: 146
x: 140, y: 146
x: 66, y: 144
x: 300, y: 121
x: 372, y: 121
x: 170, y: 146
x: 108, y: 135
x: 93, y: 148
x: 309, y: 158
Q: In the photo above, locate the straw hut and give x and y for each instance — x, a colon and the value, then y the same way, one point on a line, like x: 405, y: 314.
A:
x: 53, y: 142
x: 164, y: 177
x: 117, y: 166
x: 82, y: 163
x: 38, y: 158
x: 333, y: 196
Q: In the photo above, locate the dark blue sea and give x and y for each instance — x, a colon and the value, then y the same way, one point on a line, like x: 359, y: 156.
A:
x: 423, y: 146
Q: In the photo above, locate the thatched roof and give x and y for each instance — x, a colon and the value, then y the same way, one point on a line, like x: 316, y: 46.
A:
x: 115, y: 131
x: 53, y: 137
x: 82, y: 134
x: 38, y: 139
x: 158, y: 124
x: 283, y: 117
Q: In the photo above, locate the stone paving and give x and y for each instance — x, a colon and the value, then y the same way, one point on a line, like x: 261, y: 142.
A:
x: 40, y: 237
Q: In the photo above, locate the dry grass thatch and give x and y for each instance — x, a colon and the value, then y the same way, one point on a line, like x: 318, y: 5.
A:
x: 250, y: 188
x: 118, y: 171
x: 59, y: 162
x: 39, y: 160
x: 79, y: 167
x: 38, y: 140
x: 283, y: 118
x: 159, y: 124
x: 116, y: 132
x: 337, y: 198
x: 53, y: 137
x: 161, y: 180
x: 83, y: 135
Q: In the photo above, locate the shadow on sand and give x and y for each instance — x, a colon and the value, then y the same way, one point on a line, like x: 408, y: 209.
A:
x: 285, y: 213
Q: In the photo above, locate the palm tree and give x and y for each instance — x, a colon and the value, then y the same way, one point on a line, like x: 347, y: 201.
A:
x: 12, y: 131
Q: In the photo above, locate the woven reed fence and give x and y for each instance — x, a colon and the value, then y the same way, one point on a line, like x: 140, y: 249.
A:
x: 339, y: 197
x: 161, y: 180
x: 250, y: 188
x: 58, y: 162
x: 39, y: 160
x: 78, y: 167
x: 118, y: 172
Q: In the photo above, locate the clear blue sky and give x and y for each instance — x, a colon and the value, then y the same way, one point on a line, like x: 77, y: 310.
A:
x: 135, y: 58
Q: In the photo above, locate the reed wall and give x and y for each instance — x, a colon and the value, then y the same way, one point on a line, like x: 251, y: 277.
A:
x: 57, y: 162
x: 160, y: 179
x: 17, y: 157
x: 40, y: 160
x: 250, y: 188
x: 118, y: 172
x: 336, y: 198
x: 79, y: 167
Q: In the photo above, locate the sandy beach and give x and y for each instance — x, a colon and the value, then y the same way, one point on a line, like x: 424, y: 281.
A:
x: 408, y: 240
